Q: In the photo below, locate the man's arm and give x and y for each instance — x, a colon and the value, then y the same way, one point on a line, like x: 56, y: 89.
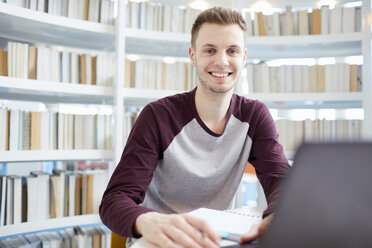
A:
x: 126, y: 189
x: 267, y: 156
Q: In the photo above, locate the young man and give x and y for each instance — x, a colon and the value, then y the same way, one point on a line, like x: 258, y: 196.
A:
x: 190, y: 150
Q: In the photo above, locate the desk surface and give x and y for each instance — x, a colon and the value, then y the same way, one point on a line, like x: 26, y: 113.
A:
x: 257, y: 211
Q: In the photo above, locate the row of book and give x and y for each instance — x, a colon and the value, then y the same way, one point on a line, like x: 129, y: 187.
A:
x: 97, y: 236
x: 173, y: 18
x: 130, y: 117
x: 26, y: 130
x: 340, y: 77
x: 155, y: 74
x: 41, y: 196
x: 160, y: 17
x: 22, y: 60
x: 293, y: 133
x: 303, y: 22
x: 101, y: 11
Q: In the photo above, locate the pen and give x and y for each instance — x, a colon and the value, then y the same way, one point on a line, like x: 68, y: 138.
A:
x: 230, y: 236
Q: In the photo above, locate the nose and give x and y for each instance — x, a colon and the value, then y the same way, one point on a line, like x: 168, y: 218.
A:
x: 221, y: 59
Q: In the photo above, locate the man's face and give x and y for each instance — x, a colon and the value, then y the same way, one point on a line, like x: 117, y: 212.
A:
x: 218, y: 55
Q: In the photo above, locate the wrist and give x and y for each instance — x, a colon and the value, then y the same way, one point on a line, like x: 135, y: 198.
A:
x: 141, y: 221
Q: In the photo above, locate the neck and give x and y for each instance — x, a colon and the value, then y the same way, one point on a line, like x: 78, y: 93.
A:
x: 212, y: 108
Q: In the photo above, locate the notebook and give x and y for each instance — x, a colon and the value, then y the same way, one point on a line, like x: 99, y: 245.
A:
x: 228, y: 224
x: 326, y: 200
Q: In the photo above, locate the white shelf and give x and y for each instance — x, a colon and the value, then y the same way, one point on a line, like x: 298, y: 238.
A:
x: 49, y: 155
x: 308, y: 97
x: 38, y: 27
x: 43, y: 225
x: 156, y: 35
x: 304, y: 39
x: 28, y: 89
x: 139, y: 97
x: 272, y: 47
x: 157, y: 43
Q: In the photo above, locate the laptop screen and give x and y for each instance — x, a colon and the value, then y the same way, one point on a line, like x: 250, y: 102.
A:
x: 326, y: 200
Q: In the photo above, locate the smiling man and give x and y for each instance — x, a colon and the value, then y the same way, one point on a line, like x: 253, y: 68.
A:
x: 190, y: 150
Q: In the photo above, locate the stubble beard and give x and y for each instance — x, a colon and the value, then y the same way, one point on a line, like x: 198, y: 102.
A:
x: 211, y: 87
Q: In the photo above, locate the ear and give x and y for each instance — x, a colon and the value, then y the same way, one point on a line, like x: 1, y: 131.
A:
x: 244, y: 56
x: 192, y: 55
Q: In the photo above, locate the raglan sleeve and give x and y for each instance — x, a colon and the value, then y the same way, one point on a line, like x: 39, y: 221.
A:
x: 126, y: 189
x: 267, y: 155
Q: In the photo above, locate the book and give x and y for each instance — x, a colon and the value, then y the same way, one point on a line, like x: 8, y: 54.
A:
x: 43, y: 195
x: 57, y: 196
x: 14, y: 200
x: 35, y: 131
x: 353, y: 78
x: 261, y: 29
x: 83, y: 69
x: 86, y: 10
x: 41, y: 5
x: 289, y: 21
x: 303, y: 22
x: 78, y: 193
x: 348, y: 20
x: 32, y: 62
x: 3, y: 191
x: 324, y: 19
x: 19, y: 3
x: 335, y: 21
x: 3, y: 58
x: 316, y: 21
x: 32, y: 191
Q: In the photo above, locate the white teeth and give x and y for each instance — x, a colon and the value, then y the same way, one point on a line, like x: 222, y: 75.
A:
x: 219, y: 74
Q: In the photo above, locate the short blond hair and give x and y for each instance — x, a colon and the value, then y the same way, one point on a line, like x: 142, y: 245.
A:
x: 217, y: 15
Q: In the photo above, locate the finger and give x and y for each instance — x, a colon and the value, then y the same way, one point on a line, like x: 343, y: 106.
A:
x: 164, y: 241
x: 203, y: 226
x: 208, y: 243
x: 251, y: 235
x: 193, y: 232
x: 180, y: 237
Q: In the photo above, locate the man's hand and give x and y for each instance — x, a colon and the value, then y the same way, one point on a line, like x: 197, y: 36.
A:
x: 257, y: 229
x: 172, y: 230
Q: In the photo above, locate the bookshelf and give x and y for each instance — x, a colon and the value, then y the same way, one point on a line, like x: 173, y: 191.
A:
x: 62, y: 34
x: 26, y: 25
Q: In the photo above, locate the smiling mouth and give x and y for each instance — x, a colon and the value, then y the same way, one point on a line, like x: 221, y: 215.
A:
x: 220, y: 75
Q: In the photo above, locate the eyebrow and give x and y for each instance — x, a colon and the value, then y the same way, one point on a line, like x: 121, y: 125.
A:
x: 211, y: 45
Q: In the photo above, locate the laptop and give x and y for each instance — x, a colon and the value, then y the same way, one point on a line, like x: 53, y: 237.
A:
x: 326, y: 200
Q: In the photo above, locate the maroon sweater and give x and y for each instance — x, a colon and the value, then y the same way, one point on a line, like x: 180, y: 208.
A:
x: 174, y: 163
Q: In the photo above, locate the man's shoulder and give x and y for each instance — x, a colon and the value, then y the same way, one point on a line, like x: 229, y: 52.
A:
x: 243, y: 103
x: 178, y: 107
x: 246, y: 109
x: 178, y: 101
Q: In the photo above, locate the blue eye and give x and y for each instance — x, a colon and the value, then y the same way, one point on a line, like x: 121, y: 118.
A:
x: 233, y: 51
x: 209, y: 51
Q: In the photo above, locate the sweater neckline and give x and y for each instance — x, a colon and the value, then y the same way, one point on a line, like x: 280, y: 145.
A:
x: 199, y: 120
